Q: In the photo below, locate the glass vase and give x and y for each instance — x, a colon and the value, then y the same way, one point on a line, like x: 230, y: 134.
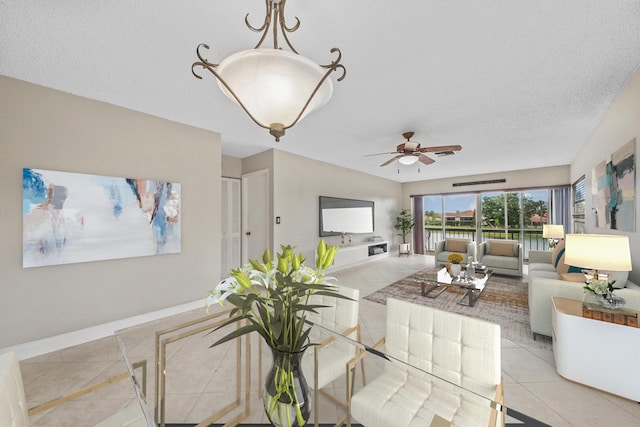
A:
x: 286, y: 393
x: 590, y: 300
x: 454, y: 270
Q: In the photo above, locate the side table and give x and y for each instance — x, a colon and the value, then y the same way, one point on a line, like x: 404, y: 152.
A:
x: 595, y: 353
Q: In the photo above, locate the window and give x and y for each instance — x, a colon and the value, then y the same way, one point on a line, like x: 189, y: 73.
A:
x: 516, y: 215
x: 578, y: 189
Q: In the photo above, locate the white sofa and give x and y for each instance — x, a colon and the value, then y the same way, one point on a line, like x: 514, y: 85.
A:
x: 501, y: 256
x: 444, y: 248
x: 547, y: 280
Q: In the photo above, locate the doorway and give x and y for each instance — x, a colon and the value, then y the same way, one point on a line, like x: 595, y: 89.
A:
x: 256, y: 219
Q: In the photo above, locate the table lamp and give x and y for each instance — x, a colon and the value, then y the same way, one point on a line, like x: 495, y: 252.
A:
x: 553, y: 232
x: 598, y: 252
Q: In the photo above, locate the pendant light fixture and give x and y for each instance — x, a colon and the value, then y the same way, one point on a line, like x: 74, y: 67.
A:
x: 275, y: 87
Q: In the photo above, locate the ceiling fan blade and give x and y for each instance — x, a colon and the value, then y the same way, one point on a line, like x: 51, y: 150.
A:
x: 426, y: 160
x: 391, y: 160
x: 379, y: 154
x: 438, y: 148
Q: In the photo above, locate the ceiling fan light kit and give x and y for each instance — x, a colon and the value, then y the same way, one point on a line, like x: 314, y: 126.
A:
x: 408, y: 160
x: 410, y: 152
x: 275, y: 87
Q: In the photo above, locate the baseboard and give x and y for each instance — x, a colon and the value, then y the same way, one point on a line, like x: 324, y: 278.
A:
x: 69, y: 339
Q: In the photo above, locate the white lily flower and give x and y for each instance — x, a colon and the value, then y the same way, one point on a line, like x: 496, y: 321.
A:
x: 222, y: 291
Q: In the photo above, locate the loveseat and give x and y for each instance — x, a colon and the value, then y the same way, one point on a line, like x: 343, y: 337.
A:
x: 501, y: 256
x: 549, y: 276
x: 444, y: 248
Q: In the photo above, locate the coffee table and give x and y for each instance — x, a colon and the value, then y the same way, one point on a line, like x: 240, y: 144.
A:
x: 431, y: 286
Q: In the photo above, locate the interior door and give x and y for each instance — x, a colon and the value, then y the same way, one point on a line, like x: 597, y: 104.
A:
x: 255, y: 215
x: 231, y: 220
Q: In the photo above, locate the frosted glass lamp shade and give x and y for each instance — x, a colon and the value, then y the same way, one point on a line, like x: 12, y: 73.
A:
x: 274, y: 84
x: 552, y: 231
x: 408, y: 160
x: 598, y: 251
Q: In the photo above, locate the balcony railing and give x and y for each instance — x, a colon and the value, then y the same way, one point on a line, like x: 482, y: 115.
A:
x: 531, y: 238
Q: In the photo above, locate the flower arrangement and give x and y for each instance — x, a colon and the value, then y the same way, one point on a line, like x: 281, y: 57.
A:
x: 602, y: 290
x: 455, y: 258
x: 599, y: 287
x: 273, y: 296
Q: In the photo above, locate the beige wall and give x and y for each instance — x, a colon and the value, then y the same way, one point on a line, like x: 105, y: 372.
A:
x: 47, y: 129
x: 527, y: 178
x: 298, y: 183
x: 620, y: 125
x: 231, y: 167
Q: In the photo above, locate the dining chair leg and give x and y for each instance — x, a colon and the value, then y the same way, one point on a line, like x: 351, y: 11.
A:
x: 315, y: 387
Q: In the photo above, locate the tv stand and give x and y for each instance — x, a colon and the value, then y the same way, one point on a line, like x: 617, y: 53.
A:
x: 348, y: 256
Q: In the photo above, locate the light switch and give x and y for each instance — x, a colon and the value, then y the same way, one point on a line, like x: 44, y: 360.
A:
x: 277, y: 220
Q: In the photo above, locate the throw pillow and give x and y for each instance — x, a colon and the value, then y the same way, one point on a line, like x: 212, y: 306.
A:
x: 562, y: 268
x: 457, y: 245
x: 557, y: 252
x: 502, y: 249
x: 572, y: 277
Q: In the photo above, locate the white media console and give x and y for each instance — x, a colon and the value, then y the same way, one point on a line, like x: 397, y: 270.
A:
x: 356, y: 254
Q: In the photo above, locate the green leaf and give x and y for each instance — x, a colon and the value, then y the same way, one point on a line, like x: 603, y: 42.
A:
x: 228, y: 322
x: 333, y: 294
x: 276, y: 328
x: 236, y: 333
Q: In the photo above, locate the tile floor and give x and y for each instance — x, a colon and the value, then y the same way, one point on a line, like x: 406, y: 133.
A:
x: 532, y: 385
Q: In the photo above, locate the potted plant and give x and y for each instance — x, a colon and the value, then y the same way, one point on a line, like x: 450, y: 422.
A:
x: 404, y: 223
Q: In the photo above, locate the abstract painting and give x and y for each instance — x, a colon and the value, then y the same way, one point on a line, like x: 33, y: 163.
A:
x: 72, y: 217
x: 613, y: 190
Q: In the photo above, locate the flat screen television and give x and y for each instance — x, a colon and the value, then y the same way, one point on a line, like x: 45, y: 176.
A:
x: 345, y: 216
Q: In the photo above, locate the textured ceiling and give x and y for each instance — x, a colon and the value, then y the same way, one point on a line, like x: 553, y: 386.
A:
x: 518, y: 84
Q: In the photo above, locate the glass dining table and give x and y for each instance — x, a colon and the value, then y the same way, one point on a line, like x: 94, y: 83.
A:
x: 194, y: 384
x: 169, y: 375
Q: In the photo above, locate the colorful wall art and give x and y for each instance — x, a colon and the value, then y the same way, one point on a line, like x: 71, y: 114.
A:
x: 613, y: 190
x: 72, y: 217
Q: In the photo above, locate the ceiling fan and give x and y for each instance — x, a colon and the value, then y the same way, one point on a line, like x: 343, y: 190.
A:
x: 410, y: 152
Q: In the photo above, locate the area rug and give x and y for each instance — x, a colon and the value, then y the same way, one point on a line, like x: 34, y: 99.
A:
x: 504, y: 301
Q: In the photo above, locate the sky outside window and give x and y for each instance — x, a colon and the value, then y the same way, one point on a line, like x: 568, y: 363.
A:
x: 459, y: 203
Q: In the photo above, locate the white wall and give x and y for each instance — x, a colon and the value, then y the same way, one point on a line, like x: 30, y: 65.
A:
x: 620, y: 124
x: 46, y: 129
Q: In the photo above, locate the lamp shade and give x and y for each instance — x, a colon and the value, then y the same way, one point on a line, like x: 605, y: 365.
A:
x: 598, y: 251
x: 274, y: 84
x: 552, y: 231
x: 408, y: 159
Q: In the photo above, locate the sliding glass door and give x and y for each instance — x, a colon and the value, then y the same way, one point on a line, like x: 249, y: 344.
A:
x: 451, y: 216
x: 460, y: 216
x: 433, y: 231
x: 515, y: 215
x: 535, y: 210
